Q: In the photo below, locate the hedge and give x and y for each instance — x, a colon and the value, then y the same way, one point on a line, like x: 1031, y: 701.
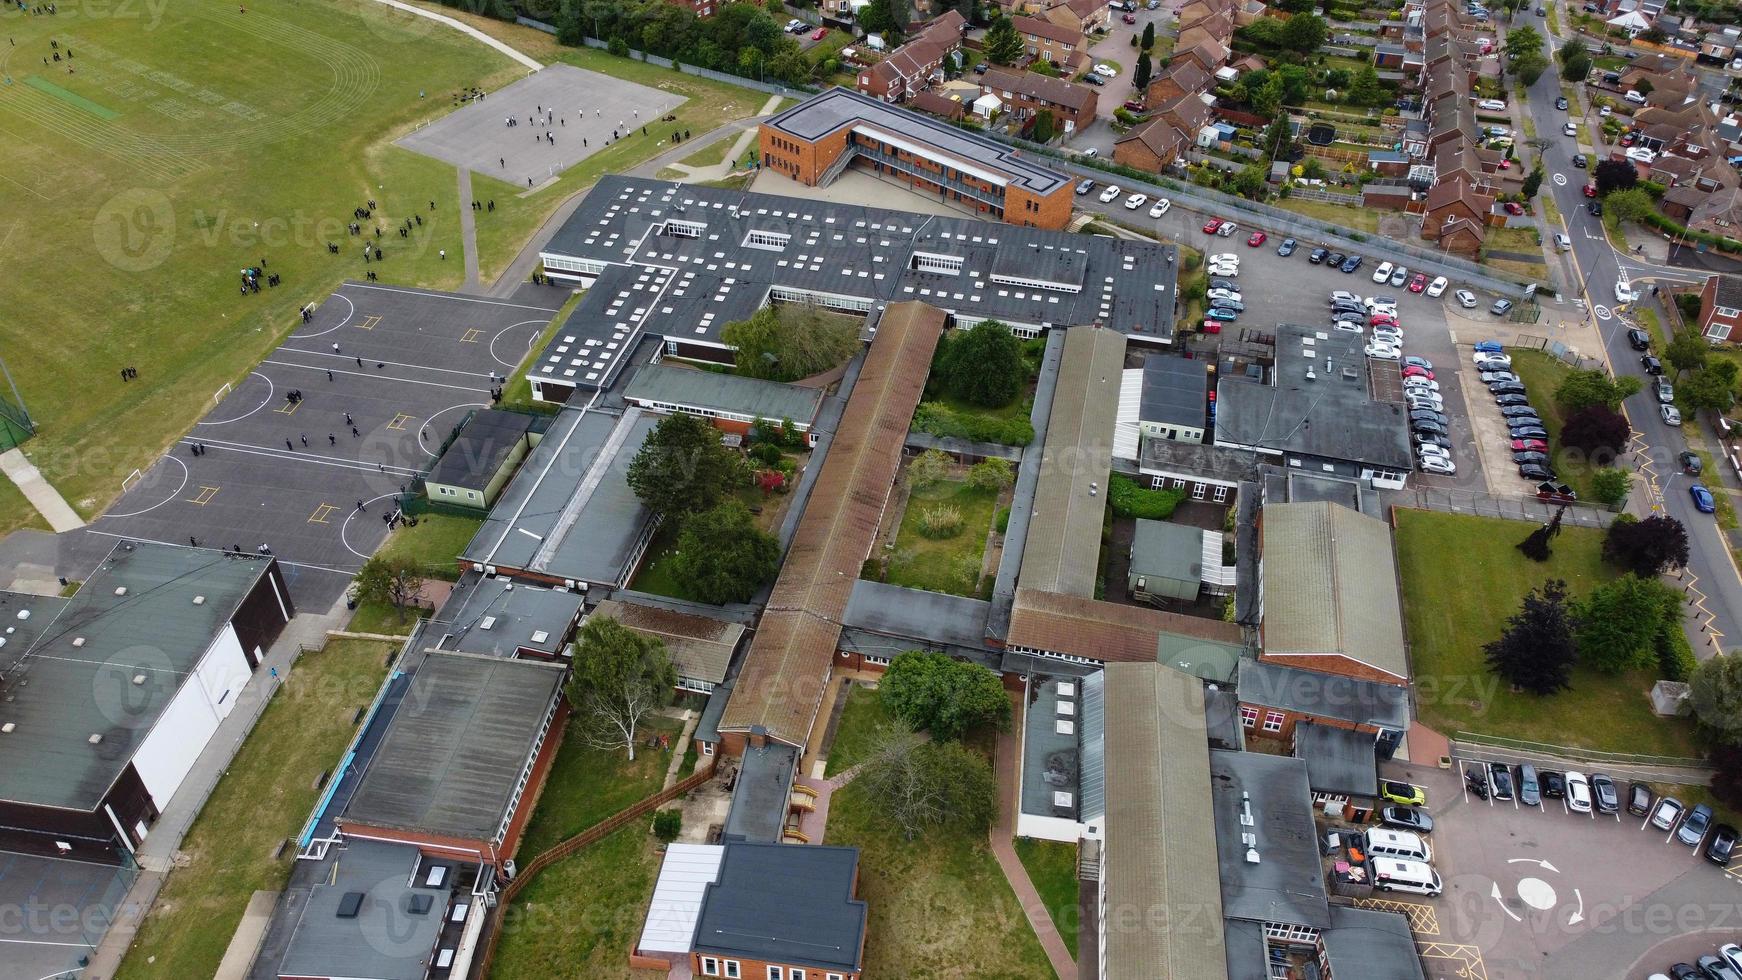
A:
x: 1675, y: 656
x: 941, y: 420
x: 1131, y: 500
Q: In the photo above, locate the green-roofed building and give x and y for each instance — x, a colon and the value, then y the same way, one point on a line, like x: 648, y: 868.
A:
x: 734, y: 404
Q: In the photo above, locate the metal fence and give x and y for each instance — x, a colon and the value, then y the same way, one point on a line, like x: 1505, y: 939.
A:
x: 1561, y: 352
x: 1514, y: 508
x: 15, y: 422
x: 1573, y: 752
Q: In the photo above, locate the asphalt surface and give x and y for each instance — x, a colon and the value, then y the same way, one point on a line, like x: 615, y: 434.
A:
x: 1595, y: 266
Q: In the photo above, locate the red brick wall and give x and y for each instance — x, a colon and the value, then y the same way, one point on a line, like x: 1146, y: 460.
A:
x: 1335, y: 664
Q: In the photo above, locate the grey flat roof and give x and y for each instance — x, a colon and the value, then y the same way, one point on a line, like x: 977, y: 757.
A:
x: 1167, y: 550
x: 385, y: 940
x: 1371, y: 944
x: 1332, y: 415
x: 759, y: 799
x: 696, y: 388
x: 913, y: 614
x: 701, y: 648
x: 67, y: 686
x: 1339, y: 760
x: 786, y: 903
x: 1056, y: 761
x: 569, y: 513
x: 1324, y: 695
x: 708, y: 727
x: 838, y: 108
x: 18, y: 633
x: 450, y: 762
x: 1248, y: 955
x: 1285, y: 886
x: 483, y: 445
x: 1175, y: 390
x: 495, y: 617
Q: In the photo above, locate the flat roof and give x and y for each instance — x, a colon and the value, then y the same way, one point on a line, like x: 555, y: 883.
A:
x: 383, y: 938
x: 495, y: 616
x: 77, y: 679
x: 1167, y: 550
x: 478, y: 452
x: 914, y: 614
x: 1063, y: 549
x: 570, y: 513
x: 700, y: 648
x: 1330, y: 586
x: 786, y: 903
x: 1064, y: 747
x: 1370, y: 944
x: 1160, y: 851
x: 24, y: 618
x: 1322, y: 695
x: 1175, y: 390
x: 1285, y: 885
x: 759, y: 798
x: 1339, y: 760
x: 840, y: 108
x: 684, y: 877
x: 695, y: 388
x: 452, y: 759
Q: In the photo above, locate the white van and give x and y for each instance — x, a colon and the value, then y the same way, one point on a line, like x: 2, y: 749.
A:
x: 1402, y: 844
x: 1393, y: 875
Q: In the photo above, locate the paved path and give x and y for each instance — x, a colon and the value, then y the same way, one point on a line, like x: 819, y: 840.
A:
x: 465, y: 29
x: 681, y: 749
x: 45, y: 498
x: 716, y: 171
x: 1003, y: 831
x: 468, y: 233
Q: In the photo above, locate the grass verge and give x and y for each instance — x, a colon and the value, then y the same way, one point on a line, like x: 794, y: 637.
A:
x: 1541, y: 375
x: 434, y: 544
x: 1356, y: 219
x: 857, y: 729
x: 1052, y: 867
x: 586, y: 784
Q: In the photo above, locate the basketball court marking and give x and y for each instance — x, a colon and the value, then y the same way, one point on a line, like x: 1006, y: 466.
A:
x: 429, y: 421
x: 471, y: 336
x: 322, y: 514
x: 345, y: 528
x: 529, y: 343
x: 204, y: 496
x: 399, y: 421
x: 289, y: 407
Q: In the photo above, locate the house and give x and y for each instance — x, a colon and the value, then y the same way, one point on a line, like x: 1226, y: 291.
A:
x: 733, y: 403
x: 1183, y: 76
x: 700, y: 648
x: 1044, y: 40
x: 1152, y: 146
x: 1082, y: 16
x: 108, y: 697
x: 491, y: 616
x: 1167, y: 562
x: 1721, y: 308
x: 1209, y: 54
x: 1028, y: 94
x: 906, y: 71
x: 1189, y: 114
x: 477, y: 463
x: 942, y: 106
x: 1216, y: 28
x: 1455, y: 217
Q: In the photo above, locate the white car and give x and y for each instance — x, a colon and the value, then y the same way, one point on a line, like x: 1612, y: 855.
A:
x: 1491, y: 105
x: 1223, y: 270
x: 1437, y: 464
x: 1382, y: 273
x: 1578, y: 792
x: 1642, y: 154
x: 1429, y: 449
x: 1344, y: 296
x: 1383, y: 352
x: 1160, y: 208
x: 1347, y: 326
x: 1110, y: 194
x: 1568, y: 129
x: 1106, y: 71
x: 1382, y: 335
x: 1224, y: 294
x: 1606, y: 112
x: 1420, y: 384
x: 1136, y: 201
x: 1382, y: 310
x: 1671, y: 414
x: 1484, y: 358
x: 1466, y: 299
x: 1224, y: 258
x: 1624, y: 291
x: 1437, y: 288
x: 1227, y: 229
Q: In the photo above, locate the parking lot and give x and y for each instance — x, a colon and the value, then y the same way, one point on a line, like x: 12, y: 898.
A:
x: 1542, y: 891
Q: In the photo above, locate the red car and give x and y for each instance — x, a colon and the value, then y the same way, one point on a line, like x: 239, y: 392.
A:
x: 1530, y: 445
x: 1381, y: 320
x: 1129, y: 19
x: 1628, y: 138
x: 1590, y: 190
x: 819, y: 33
x: 1418, y: 372
x: 1212, y: 326
x: 1513, y: 207
x: 1418, y: 284
x: 1136, y: 105
x: 1211, y: 225
x: 1257, y: 239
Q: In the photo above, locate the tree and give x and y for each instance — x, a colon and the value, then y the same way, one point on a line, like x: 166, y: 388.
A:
x: 1148, y: 36
x: 1648, y: 547
x: 667, y: 824
x: 1712, y: 387
x: 791, y: 341
x: 1536, y: 546
x: 1614, y: 175
x: 1598, y: 431
x: 1003, y: 46
x: 885, y: 17
x: 1634, y: 204
x: 1266, y: 101
x: 1140, y: 74
x: 1715, y: 691
x: 1654, y: 34
x: 1609, y: 485
x: 1533, y: 180
x: 1686, y: 351
x: 722, y: 556
x: 1304, y: 33
x: 919, y: 785
x: 1045, y: 127
x: 1726, y: 760
x: 1643, y: 86
x: 1618, y: 623
x: 928, y: 468
x: 1364, y: 88
x: 391, y: 580
x: 1577, y: 68
x: 1250, y: 182
x: 1536, y: 651
x: 1521, y: 41
x: 1529, y: 67
x: 945, y: 697
x: 682, y: 467
x: 993, y: 474
x: 983, y: 365
x: 1582, y: 389
x: 618, y: 678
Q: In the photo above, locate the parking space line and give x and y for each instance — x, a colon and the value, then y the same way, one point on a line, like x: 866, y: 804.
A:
x: 1468, y: 958
x: 1424, y: 920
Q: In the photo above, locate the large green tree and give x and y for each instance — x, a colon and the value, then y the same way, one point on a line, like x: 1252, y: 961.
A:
x: 1712, y: 387
x: 1140, y: 74
x: 1364, y: 88
x: 918, y: 785
x: 1536, y: 650
x: 1685, y: 352
x: 1003, y: 46
x: 1582, y: 389
x: 1614, y: 175
x: 682, y: 467
x: 791, y: 341
x: 945, y: 697
x: 1715, y: 689
x: 1148, y: 36
x: 1648, y: 547
x: 1619, y: 620
x: 1305, y: 33
x: 722, y: 556
x: 983, y: 365
x: 385, y: 579
x: 618, y: 678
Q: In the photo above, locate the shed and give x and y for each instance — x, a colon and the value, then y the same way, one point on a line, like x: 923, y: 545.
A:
x: 1166, y: 562
x: 478, y: 462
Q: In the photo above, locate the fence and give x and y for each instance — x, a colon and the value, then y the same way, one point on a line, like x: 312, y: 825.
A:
x: 1586, y: 755
x: 1314, y: 194
x: 1561, y: 352
x: 772, y: 88
x: 15, y: 423
x: 1580, y: 513
x: 592, y: 835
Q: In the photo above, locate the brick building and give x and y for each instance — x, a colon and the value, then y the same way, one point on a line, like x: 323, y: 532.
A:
x: 1028, y: 94
x: 1721, y: 308
x: 1043, y: 40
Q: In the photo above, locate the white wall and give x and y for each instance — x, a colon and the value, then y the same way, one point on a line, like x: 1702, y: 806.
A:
x: 179, y: 736
x: 1048, y: 828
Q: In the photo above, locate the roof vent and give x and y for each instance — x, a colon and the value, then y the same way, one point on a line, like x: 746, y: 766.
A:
x: 199, y: 600
x: 8, y: 728
x: 349, y: 904
x: 539, y: 636
x: 1252, y: 855
x: 487, y: 622
x: 96, y: 738
x: 138, y: 679
x: 23, y: 614
x: 78, y: 641
x: 120, y: 590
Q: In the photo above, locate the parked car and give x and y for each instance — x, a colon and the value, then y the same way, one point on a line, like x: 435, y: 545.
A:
x: 1590, y: 190
x: 1420, y: 362
x: 1579, y: 161
x: 1492, y: 378
x: 1703, y: 501
x: 1317, y: 255
x: 1351, y: 263
x: 1561, y: 103
x: 1638, y: 339
x: 1664, y: 390
x: 1221, y: 258
x: 1519, y: 412
x: 1136, y: 201
x: 1256, y: 239
x: 1491, y: 105
x: 1419, y: 283
x: 1466, y: 299
x: 1383, y: 352
x: 1691, y: 463
x: 1595, y: 208
x: 1578, y: 793
x: 1519, y: 444
x: 1530, y: 432
x: 1286, y: 248
x: 1407, y: 794
x: 1335, y: 260
x: 1424, y: 384
x: 1399, y: 276
x: 1437, y: 288
x: 1417, y: 371
x: 1438, y: 465
x: 1160, y: 207
x: 1693, y: 827
x: 1513, y: 207
x: 1511, y: 400
x: 819, y: 33
x: 1428, y: 415
x: 1106, y: 71
x: 1529, y: 456
x: 1603, y: 790
x: 1085, y: 187
x: 1221, y: 313
x: 1382, y: 273
x: 1533, y: 471
x: 1110, y: 193
x: 1499, y: 781
x: 1529, y: 788
x: 1671, y: 414
x: 1717, y: 968
x: 1501, y: 307
x: 1128, y: 18
x: 1092, y: 79
x: 1406, y: 818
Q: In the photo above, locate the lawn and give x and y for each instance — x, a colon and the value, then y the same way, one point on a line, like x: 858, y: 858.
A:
x: 222, y: 141
x: 582, y: 915
x: 1541, y: 375
x: 433, y: 544
x: 658, y: 573
x: 586, y: 784
x: 263, y: 798
x: 857, y: 730
x: 950, y: 565
x: 1518, y: 239
x: 1052, y: 867
x: 382, y: 617
x: 1449, y: 624
x: 1339, y: 215
x: 939, y: 905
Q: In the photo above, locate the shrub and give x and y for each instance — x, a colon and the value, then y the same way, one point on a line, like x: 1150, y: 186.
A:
x: 1689, y: 304
x: 992, y: 474
x: 667, y: 824
x: 1131, y: 500
x: 1675, y: 656
x: 766, y: 453
x: 929, y: 467
x: 942, y: 521
x: 1002, y: 521
x: 939, y: 419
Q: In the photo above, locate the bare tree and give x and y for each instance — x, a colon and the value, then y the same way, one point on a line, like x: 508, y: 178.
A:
x: 896, y: 778
x: 619, y: 677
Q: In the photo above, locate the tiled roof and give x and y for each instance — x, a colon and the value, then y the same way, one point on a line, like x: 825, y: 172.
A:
x: 1039, y: 27
x: 1054, y: 90
x: 1104, y: 631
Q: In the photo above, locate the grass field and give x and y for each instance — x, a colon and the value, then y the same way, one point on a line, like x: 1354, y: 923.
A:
x: 1541, y: 375
x: 860, y: 720
x: 939, y: 905
x: 1448, y: 626
x: 586, y: 785
x: 581, y: 917
x: 434, y: 543
x: 950, y: 565
x: 1346, y: 217
x: 1052, y: 867
x: 263, y: 798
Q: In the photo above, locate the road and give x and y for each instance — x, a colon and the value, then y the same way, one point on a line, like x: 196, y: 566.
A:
x: 1594, y: 265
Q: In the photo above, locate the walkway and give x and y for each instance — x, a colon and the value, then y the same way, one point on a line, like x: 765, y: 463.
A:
x: 45, y: 498
x: 465, y: 29
x: 468, y: 232
x: 717, y: 171
x: 1003, y: 831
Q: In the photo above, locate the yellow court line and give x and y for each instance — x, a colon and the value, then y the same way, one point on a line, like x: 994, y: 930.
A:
x: 322, y: 513
x: 471, y: 336
x: 1468, y: 958
x: 399, y: 421
x: 289, y: 407
x: 369, y: 323
x: 204, y: 497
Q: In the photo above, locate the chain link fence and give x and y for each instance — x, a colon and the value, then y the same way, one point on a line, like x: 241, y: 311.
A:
x: 15, y: 422
x: 1451, y: 500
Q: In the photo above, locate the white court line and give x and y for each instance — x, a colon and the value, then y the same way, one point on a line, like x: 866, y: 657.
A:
x: 242, y: 447
x: 432, y: 418
x: 450, y: 296
x: 44, y: 942
x: 348, y: 573
x: 177, y: 493
x: 511, y: 365
x: 335, y: 326
x: 344, y: 529
x: 403, y: 364
x: 270, y: 388
x: 365, y: 374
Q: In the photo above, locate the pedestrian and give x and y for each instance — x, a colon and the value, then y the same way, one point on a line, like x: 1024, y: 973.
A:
x: 529, y: 181
x: 193, y: 541
x: 331, y: 441
x: 432, y: 205
x: 492, y: 206
x: 329, y: 375
x: 359, y: 505
x: 359, y: 360
x: 444, y: 254
x: 354, y: 431
x: 644, y: 130
x: 335, y: 348
x: 347, y: 418
x: 420, y: 221
x: 637, y: 113
x: 583, y: 141
x: 502, y: 160
x: 305, y: 439
x: 289, y: 445
x: 124, y: 377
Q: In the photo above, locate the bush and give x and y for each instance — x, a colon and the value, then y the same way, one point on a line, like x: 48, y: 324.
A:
x: 1002, y: 521
x: 667, y: 824
x: 942, y: 521
x: 1609, y: 485
x: 1675, y: 656
x: 1689, y: 304
x: 1131, y: 500
x: 928, y: 468
x: 993, y: 474
x: 766, y: 453
x: 939, y: 419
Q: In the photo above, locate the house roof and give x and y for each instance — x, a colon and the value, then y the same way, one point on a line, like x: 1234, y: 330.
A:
x: 684, y: 877
x: 1175, y: 390
x: 451, y: 760
x: 1729, y: 292
x: 739, y: 395
x: 1209, y: 53
x: 1330, y: 586
x: 1321, y: 695
x: 1104, y: 631
x: 1043, y: 28
x: 1188, y: 75
x: 1187, y: 112
x: 478, y: 452
x: 1026, y: 83
x: 1455, y: 193
x: 759, y: 797
x: 1338, y: 760
x: 496, y: 617
x: 935, y: 104
x: 384, y: 939
x: 1160, y: 849
x: 1158, y: 134
x: 1285, y: 885
x: 781, y: 682
x: 26, y: 617
x: 785, y: 903
x: 700, y: 648
x: 912, y: 614
x: 1370, y: 944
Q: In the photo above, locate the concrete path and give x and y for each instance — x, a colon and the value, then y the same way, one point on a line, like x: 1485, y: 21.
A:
x: 717, y: 171
x: 157, y: 855
x: 690, y: 720
x: 468, y: 233
x: 245, y: 944
x: 1003, y: 832
x: 45, y: 498
x: 464, y: 29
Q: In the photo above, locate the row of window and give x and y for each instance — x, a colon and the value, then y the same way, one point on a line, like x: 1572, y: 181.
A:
x: 1216, y: 492
x: 586, y: 267
x: 1272, y: 719
x: 785, y: 144
x: 713, y: 967
x: 449, y: 492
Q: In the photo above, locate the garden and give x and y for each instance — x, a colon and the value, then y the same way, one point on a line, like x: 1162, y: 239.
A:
x: 940, y: 544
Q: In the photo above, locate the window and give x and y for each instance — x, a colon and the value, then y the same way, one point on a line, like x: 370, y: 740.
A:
x: 732, y: 969
x: 1158, y: 483
x: 1220, y: 495
x: 1179, y: 484
x: 707, y: 748
x: 796, y: 973
x: 835, y: 976
x: 685, y: 229
x: 1273, y: 721
x: 1198, y: 491
x: 1248, y: 715
x: 1726, y: 312
x: 710, y: 967
x: 776, y: 973
x: 771, y: 240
